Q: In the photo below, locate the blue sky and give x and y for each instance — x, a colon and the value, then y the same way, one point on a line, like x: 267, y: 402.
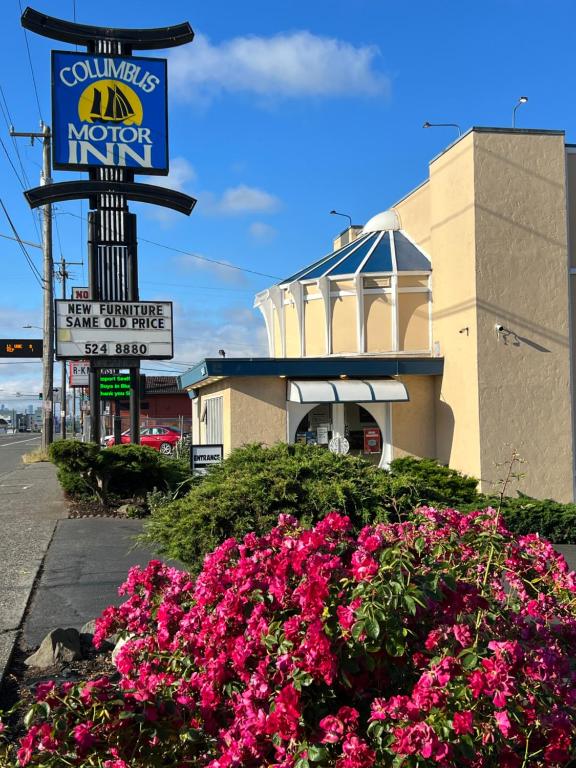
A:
x: 279, y: 112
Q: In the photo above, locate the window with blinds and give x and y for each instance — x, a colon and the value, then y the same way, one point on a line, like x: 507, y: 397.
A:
x: 214, y: 419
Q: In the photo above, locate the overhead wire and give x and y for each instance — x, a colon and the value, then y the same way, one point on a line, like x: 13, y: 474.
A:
x: 34, y: 269
x: 9, y: 124
x: 190, y: 253
x: 8, y: 120
x: 31, y: 68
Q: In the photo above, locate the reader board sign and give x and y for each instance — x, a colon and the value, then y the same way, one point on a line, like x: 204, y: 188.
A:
x: 114, y: 386
x: 204, y: 456
x: 92, y: 329
x: 109, y: 112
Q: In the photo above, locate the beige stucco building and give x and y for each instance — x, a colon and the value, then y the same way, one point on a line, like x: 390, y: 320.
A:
x: 442, y: 328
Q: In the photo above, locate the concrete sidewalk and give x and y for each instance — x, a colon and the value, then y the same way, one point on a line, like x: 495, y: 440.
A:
x: 55, y: 571
x: 87, y: 561
x: 31, y: 503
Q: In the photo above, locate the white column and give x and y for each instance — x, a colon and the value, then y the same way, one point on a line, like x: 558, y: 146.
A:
x: 338, y: 420
x: 295, y: 412
x: 382, y: 414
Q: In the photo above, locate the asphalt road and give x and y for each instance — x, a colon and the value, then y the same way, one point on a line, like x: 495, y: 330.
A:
x: 12, y: 448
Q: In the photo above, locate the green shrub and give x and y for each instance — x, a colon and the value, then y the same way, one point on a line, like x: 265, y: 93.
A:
x: 249, y: 489
x: 425, y: 481
x: 123, y: 470
x: 522, y: 515
x: 73, y: 484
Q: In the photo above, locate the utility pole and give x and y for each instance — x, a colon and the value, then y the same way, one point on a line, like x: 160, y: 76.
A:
x: 63, y: 274
x: 48, y: 325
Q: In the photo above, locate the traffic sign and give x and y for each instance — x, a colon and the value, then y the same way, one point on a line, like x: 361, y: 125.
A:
x: 21, y: 347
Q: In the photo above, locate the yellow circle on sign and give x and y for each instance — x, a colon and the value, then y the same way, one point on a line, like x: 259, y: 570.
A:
x: 110, y: 101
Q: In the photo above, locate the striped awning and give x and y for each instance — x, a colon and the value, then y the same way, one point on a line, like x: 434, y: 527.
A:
x: 346, y: 391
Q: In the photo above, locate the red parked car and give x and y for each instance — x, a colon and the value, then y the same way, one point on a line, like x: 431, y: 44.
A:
x: 162, y: 439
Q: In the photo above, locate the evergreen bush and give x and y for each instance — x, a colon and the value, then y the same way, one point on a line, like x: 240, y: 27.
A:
x: 249, y: 489
x: 123, y: 470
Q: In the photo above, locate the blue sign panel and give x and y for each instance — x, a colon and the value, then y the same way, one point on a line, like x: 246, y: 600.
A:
x: 109, y: 111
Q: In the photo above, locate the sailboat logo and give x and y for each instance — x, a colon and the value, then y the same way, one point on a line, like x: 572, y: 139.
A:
x: 110, y: 101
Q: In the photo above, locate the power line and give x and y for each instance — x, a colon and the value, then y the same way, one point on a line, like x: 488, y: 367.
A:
x: 8, y: 120
x: 189, y: 253
x: 31, y: 68
x: 26, y: 242
x: 196, y: 287
x: 27, y: 256
x: 12, y: 164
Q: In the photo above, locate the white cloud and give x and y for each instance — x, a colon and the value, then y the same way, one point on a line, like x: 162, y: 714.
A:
x: 197, y: 263
x: 240, y: 332
x: 181, y: 174
x: 261, y: 232
x: 287, y: 65
x: 239, y: 200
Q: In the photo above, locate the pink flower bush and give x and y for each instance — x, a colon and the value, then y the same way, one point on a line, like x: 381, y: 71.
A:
x: 440, y: 641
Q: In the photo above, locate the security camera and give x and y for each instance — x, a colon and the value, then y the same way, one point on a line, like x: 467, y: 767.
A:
x: 499, y: 328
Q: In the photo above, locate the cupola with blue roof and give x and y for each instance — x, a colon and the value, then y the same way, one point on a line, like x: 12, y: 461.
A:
x: 370, y: 296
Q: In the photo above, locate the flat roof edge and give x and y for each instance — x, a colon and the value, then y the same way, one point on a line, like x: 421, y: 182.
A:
x: 310, y: 367
x: 488, y: 129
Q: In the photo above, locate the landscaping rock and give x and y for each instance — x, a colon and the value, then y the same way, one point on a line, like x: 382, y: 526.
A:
x: 122, y: 641
x: 58, y: 645
x: 87, y: 636
x: 88, y: 629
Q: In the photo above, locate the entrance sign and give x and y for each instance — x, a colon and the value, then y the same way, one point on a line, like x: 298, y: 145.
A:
x: 111, y: 329
x: 204, y: 456
x: 109, y: 111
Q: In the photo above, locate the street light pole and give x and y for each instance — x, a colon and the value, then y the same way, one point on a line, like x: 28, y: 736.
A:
x: 48, y: 325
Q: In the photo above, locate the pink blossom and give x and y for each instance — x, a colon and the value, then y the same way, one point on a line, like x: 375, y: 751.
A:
x: 503, y: 722
x: 462, y: 722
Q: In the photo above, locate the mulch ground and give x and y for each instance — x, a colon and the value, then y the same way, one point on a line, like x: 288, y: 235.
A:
x: 20, y: 681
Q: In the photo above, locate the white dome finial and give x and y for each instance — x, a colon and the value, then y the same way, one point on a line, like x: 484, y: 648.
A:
x: 382, y: 222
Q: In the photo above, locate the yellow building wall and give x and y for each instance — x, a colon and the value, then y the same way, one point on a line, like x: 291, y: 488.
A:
x: 315, y: 328
x: 571, y: 174
x: 344, y: 336
x: 522, y: 283
x: 413, y: 322
x: 415, y: 217
x: 378, y: 322
x: 258, y: 410
x: 453, y: 251
x: 413, y: 424
x: 292, y: 331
